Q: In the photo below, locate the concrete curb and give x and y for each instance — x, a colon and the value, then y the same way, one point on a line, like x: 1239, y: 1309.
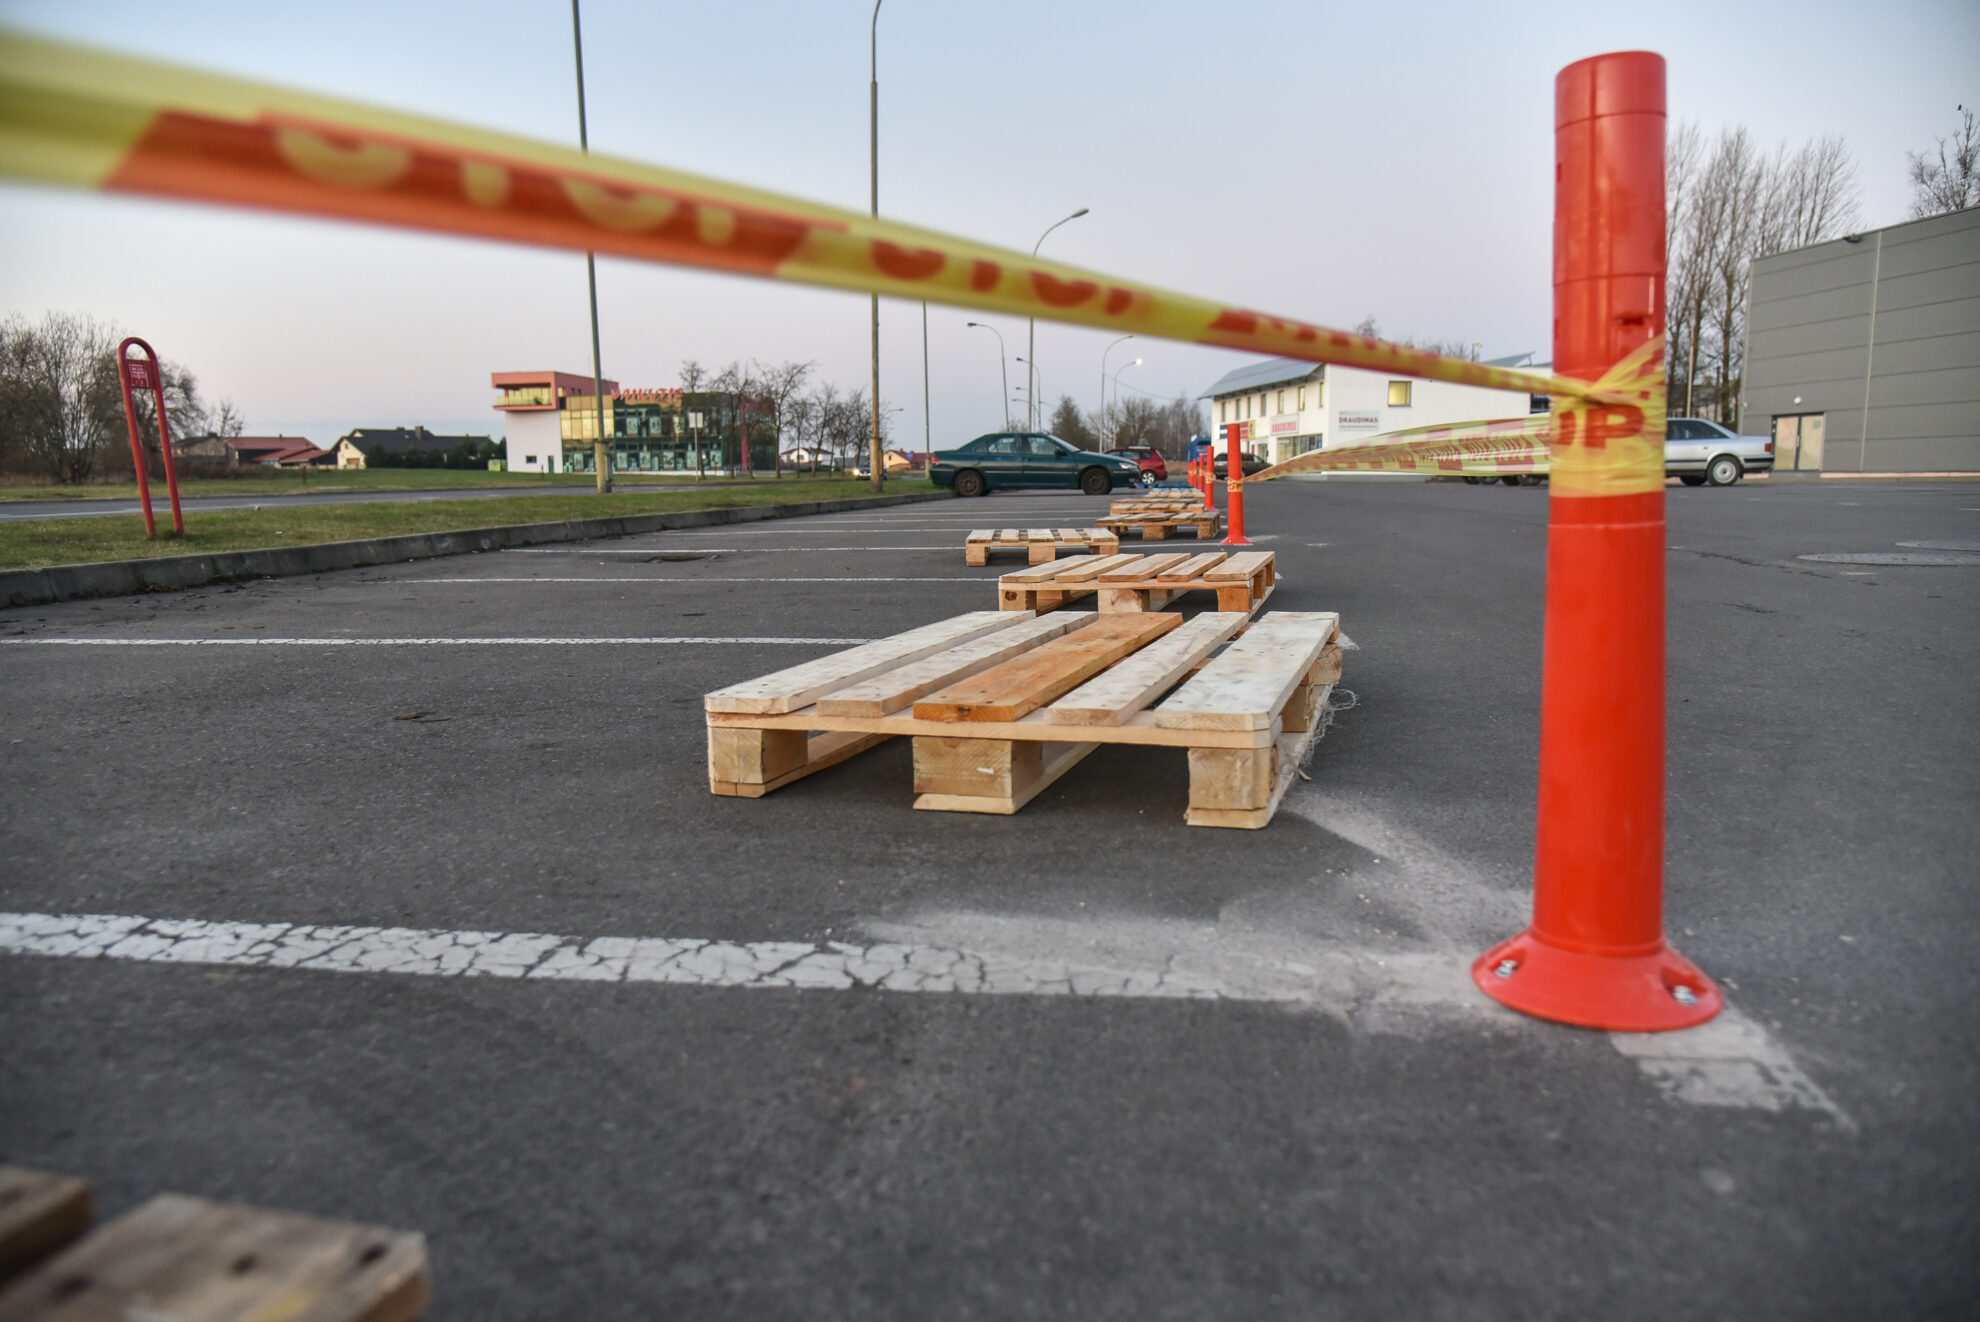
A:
x: 113, y: 578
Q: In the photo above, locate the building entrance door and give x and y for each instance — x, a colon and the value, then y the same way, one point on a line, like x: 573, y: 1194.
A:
x: 1798, y: 442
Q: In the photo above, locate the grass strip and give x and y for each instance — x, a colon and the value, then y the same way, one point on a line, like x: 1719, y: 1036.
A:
x: 270, y: 482
x: 38, y: 543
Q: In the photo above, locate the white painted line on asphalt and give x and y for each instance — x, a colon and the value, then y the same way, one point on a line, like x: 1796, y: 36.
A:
x: 823, y: 965
x: 405, y: 642
x: 725, y: 550
x: 1731, y: 1062
x: 696, y: 582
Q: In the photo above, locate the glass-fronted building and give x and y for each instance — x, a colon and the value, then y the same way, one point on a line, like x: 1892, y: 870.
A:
x: 553, y: 420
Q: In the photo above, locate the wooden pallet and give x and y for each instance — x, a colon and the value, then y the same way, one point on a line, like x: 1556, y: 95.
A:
x: 1157, y: 502
x: 195, y: 1261
x: 1127, y: 583
x: 1042, y: 545
x: 1000, y: 704
x: 1156, y: 525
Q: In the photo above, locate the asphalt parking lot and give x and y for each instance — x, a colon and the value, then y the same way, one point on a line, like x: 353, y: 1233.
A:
x: 1337, y: 1126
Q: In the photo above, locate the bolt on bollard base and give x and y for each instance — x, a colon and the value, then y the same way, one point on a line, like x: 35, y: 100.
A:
x: 1647, y: 993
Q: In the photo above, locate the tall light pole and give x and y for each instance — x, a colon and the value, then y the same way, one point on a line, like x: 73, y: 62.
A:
x: 927, y: 423
x: 1031, y: 344
x: 1003, y: 365
x: 873, y: 105
x: 1103, y: 378
x: 601, y: 453
x: 1034, y: 381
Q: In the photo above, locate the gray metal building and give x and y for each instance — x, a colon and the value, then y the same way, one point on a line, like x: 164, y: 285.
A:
x: 1863, y: 354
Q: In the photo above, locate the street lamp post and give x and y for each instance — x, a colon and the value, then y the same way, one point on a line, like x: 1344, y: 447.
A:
x: 1034, y: 382
x: 873, y: 105
x: 1031, y: 343
x: 1003, y: 365
x: 601, y: 452
x: 1102, y: 419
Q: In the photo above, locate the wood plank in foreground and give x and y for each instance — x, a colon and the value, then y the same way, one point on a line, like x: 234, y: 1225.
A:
x: 186, y: 1258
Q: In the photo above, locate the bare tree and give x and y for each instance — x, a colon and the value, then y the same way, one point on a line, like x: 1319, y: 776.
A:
x: 1179, y: 422
x: 1949, y: 178
x: 780, y: 386
x: 693, y: 377
x: 227, y: 420
x: 65, y: 406
x: 1727, y: 208
x: 1467, y: 349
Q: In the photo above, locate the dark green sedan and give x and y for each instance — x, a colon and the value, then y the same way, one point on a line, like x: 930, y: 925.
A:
x: 1003, y: 460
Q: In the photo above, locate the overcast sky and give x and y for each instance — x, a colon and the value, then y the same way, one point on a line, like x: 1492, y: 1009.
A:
x: 1320, y: 161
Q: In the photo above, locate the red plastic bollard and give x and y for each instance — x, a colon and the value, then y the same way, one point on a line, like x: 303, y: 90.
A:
x: 140, y: 374
x: 1234, y: 487
x: 1595, y: 954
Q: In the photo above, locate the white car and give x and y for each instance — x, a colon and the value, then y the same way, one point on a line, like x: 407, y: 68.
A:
x: 1700, y: 453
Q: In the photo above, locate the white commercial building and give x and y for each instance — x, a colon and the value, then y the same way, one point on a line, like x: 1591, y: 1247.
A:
x: 1289, y: 406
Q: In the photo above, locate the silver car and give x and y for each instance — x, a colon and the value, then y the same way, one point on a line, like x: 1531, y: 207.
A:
x: 1700, y: 453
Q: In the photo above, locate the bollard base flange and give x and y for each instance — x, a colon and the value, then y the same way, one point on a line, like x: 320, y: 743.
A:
x: 1651, y: 993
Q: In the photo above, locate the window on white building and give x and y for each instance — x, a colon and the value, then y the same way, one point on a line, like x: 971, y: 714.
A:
x: 1302, y: 399
x: 1399, y: 394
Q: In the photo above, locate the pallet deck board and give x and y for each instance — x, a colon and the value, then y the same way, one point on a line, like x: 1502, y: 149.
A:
x: 198, y: 1261
x: 1014, y: 688
x: 801, y: 685
x: 1247, y: 685
x: 1197, y: 566
x: 1242, y: 565
x: 1125, y: 689
x: 895, y: 689
x: 1147, y: 566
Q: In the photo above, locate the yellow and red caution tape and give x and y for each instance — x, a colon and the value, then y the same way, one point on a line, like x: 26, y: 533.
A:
x: 1610, y: 447
x: 83, y: 118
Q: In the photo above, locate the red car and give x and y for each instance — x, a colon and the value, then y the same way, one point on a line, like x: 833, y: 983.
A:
x: 1153, y: 470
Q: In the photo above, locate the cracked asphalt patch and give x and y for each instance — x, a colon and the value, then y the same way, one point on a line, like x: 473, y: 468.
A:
x: 621, y: 1049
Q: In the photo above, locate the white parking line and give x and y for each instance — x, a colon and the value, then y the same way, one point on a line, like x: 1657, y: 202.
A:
x: 409, y: 642
x: 1731, y: 1062
x: 697, y: 582
x: 822, y: 965
x: 726, y: 550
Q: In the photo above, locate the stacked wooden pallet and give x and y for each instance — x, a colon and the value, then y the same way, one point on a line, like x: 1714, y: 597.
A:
x: 1158, y: 502
x: 1041, y: 545
x: 1002, y: 703
x: 1156, y: 525
x: 190, y: 1260
x: 1128, y: 583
